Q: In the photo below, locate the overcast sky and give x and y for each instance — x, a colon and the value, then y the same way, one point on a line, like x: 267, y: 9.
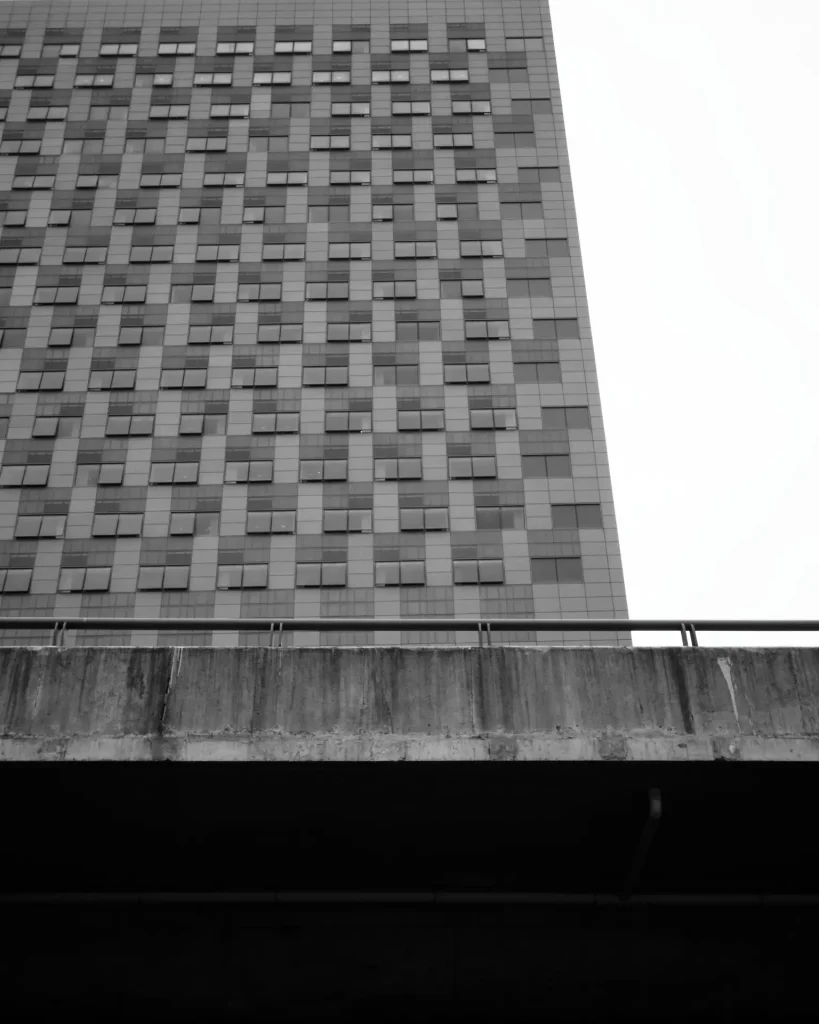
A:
x: 693, y: 145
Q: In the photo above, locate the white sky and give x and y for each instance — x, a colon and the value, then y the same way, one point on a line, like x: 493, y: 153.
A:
x: 692, y: 133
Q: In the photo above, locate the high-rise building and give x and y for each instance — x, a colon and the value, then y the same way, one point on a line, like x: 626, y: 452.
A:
x: 293, y: 318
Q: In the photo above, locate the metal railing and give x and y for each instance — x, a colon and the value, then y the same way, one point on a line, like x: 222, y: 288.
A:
x: 276, y: 629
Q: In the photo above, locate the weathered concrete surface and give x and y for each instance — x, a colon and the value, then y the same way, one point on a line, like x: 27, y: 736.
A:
x: 399, y: 704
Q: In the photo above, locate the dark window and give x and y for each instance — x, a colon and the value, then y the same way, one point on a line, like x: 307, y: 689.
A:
x: 557, y: 570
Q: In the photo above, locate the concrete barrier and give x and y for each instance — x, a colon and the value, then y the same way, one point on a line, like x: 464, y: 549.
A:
x: 402, y: 704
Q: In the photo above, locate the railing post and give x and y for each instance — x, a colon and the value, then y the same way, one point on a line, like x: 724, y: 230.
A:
x: 684, y: 634
x: 694, y: 641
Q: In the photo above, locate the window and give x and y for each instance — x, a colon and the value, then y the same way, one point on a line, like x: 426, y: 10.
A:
x: 325, y: 376
x: 263, y: 215
x: 51, y: 50
x: 471, y: 45
x: 351, y: 46
x: 13, y: 337
x: 418, y: 330
x: 397, y: 469
x: 14, y: 581
x: 163, y: 81
x: 96, y: 181
x: 470, y: 289
x: 492, y: 419
x: 62, y: 337
x: 577, y: 517
x: 93, y: 81
x: 215, y: 253
x: 529, y: 288
x: 321, y: 574
x: 474, y: 466
x: 413, y: 177
x: 223, y: 179
x: 514, y: 140
x: 331, y: 78
x: 32, y: 181
x: 449, y: 75
x: 327, y: 291
x: 571, y: 417
x: 392, y: 141
x: 504, y: 517
x: 121, y: 294
x: 557, y: 570
x: 528, y: 108
x: 481, y: 250
x: 272, y: 77
x: 350, y: 110
x: 20, y: 147
x: 72, y: 580
x: 4, y: 427
x: 40, y: 526
x: 193, y: 377
x: 458, y: 140
x: 35, y: 475
x: 167, y: 180
x: 254, y: 471
x: 476, y: 175
x: 415, y: 250
x: 129, y: 426
x: 143, y: 215
x: 280, y: 334
x: 41, y: 380
x: 348, y: 422
x: 230, y: 110
x: 206, y: 145
x: 508, y: 76
x: 117, y: 525
x: 163, y: 577
x: 56, y: 426
x: 390, y: 77
x: 150, y: 254
x: 63, y: 218
x: 138, y: 335
x: 471, y: 107
x: 259, y: 293
x: 277, y: 252
x: 242, y: 577
x: 530, y: 175
x: 477, y: 330
x: 168, y: 112
x: 349, y: 251
x: 521, y: 211
x: 416, y: 108
x: 176, y: 49
x: 254, y: 377
x: 210, y: 334
x: 349, y: 331
x: 287, y: 178
x: 19, y: 257
x: 294, y: 48
x: 328, y: 214
x: 194, y: 524
x: 47, y: 113
x: 208, y: 424
x: 34, y: 82
x: 457, y: 211
x: 275, y: 423
x: 541, y: 373
x: 421, y: 419
x: 546, y: 465
x: 313, y: 470
x: 393, y: 211
x: 329, y: 142
x: 394, y: 289
x: 90, y: 146
x: 350, y: 177
x: 97, y: 474
x: 409, y: 45
x: 112, y: 380
x: 546, y: 248
x: 466, y: 373
x: 405, y: 375
x: 213, y: 78
x: 416, y: 519
x: 192, y: 292
x: 479, y: 570
x: 106, y: 112
x: 200, y: 215
x: 271, y: 522
x: 400, y: 574
x: 60, y: 296
x: 348, y: 520
x: 174, y: 473
x: 236, y: 49
x: 10, y: 51
x: 86, y: 254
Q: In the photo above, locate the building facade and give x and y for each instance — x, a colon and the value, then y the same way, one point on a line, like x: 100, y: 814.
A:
x: 292, y: 318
